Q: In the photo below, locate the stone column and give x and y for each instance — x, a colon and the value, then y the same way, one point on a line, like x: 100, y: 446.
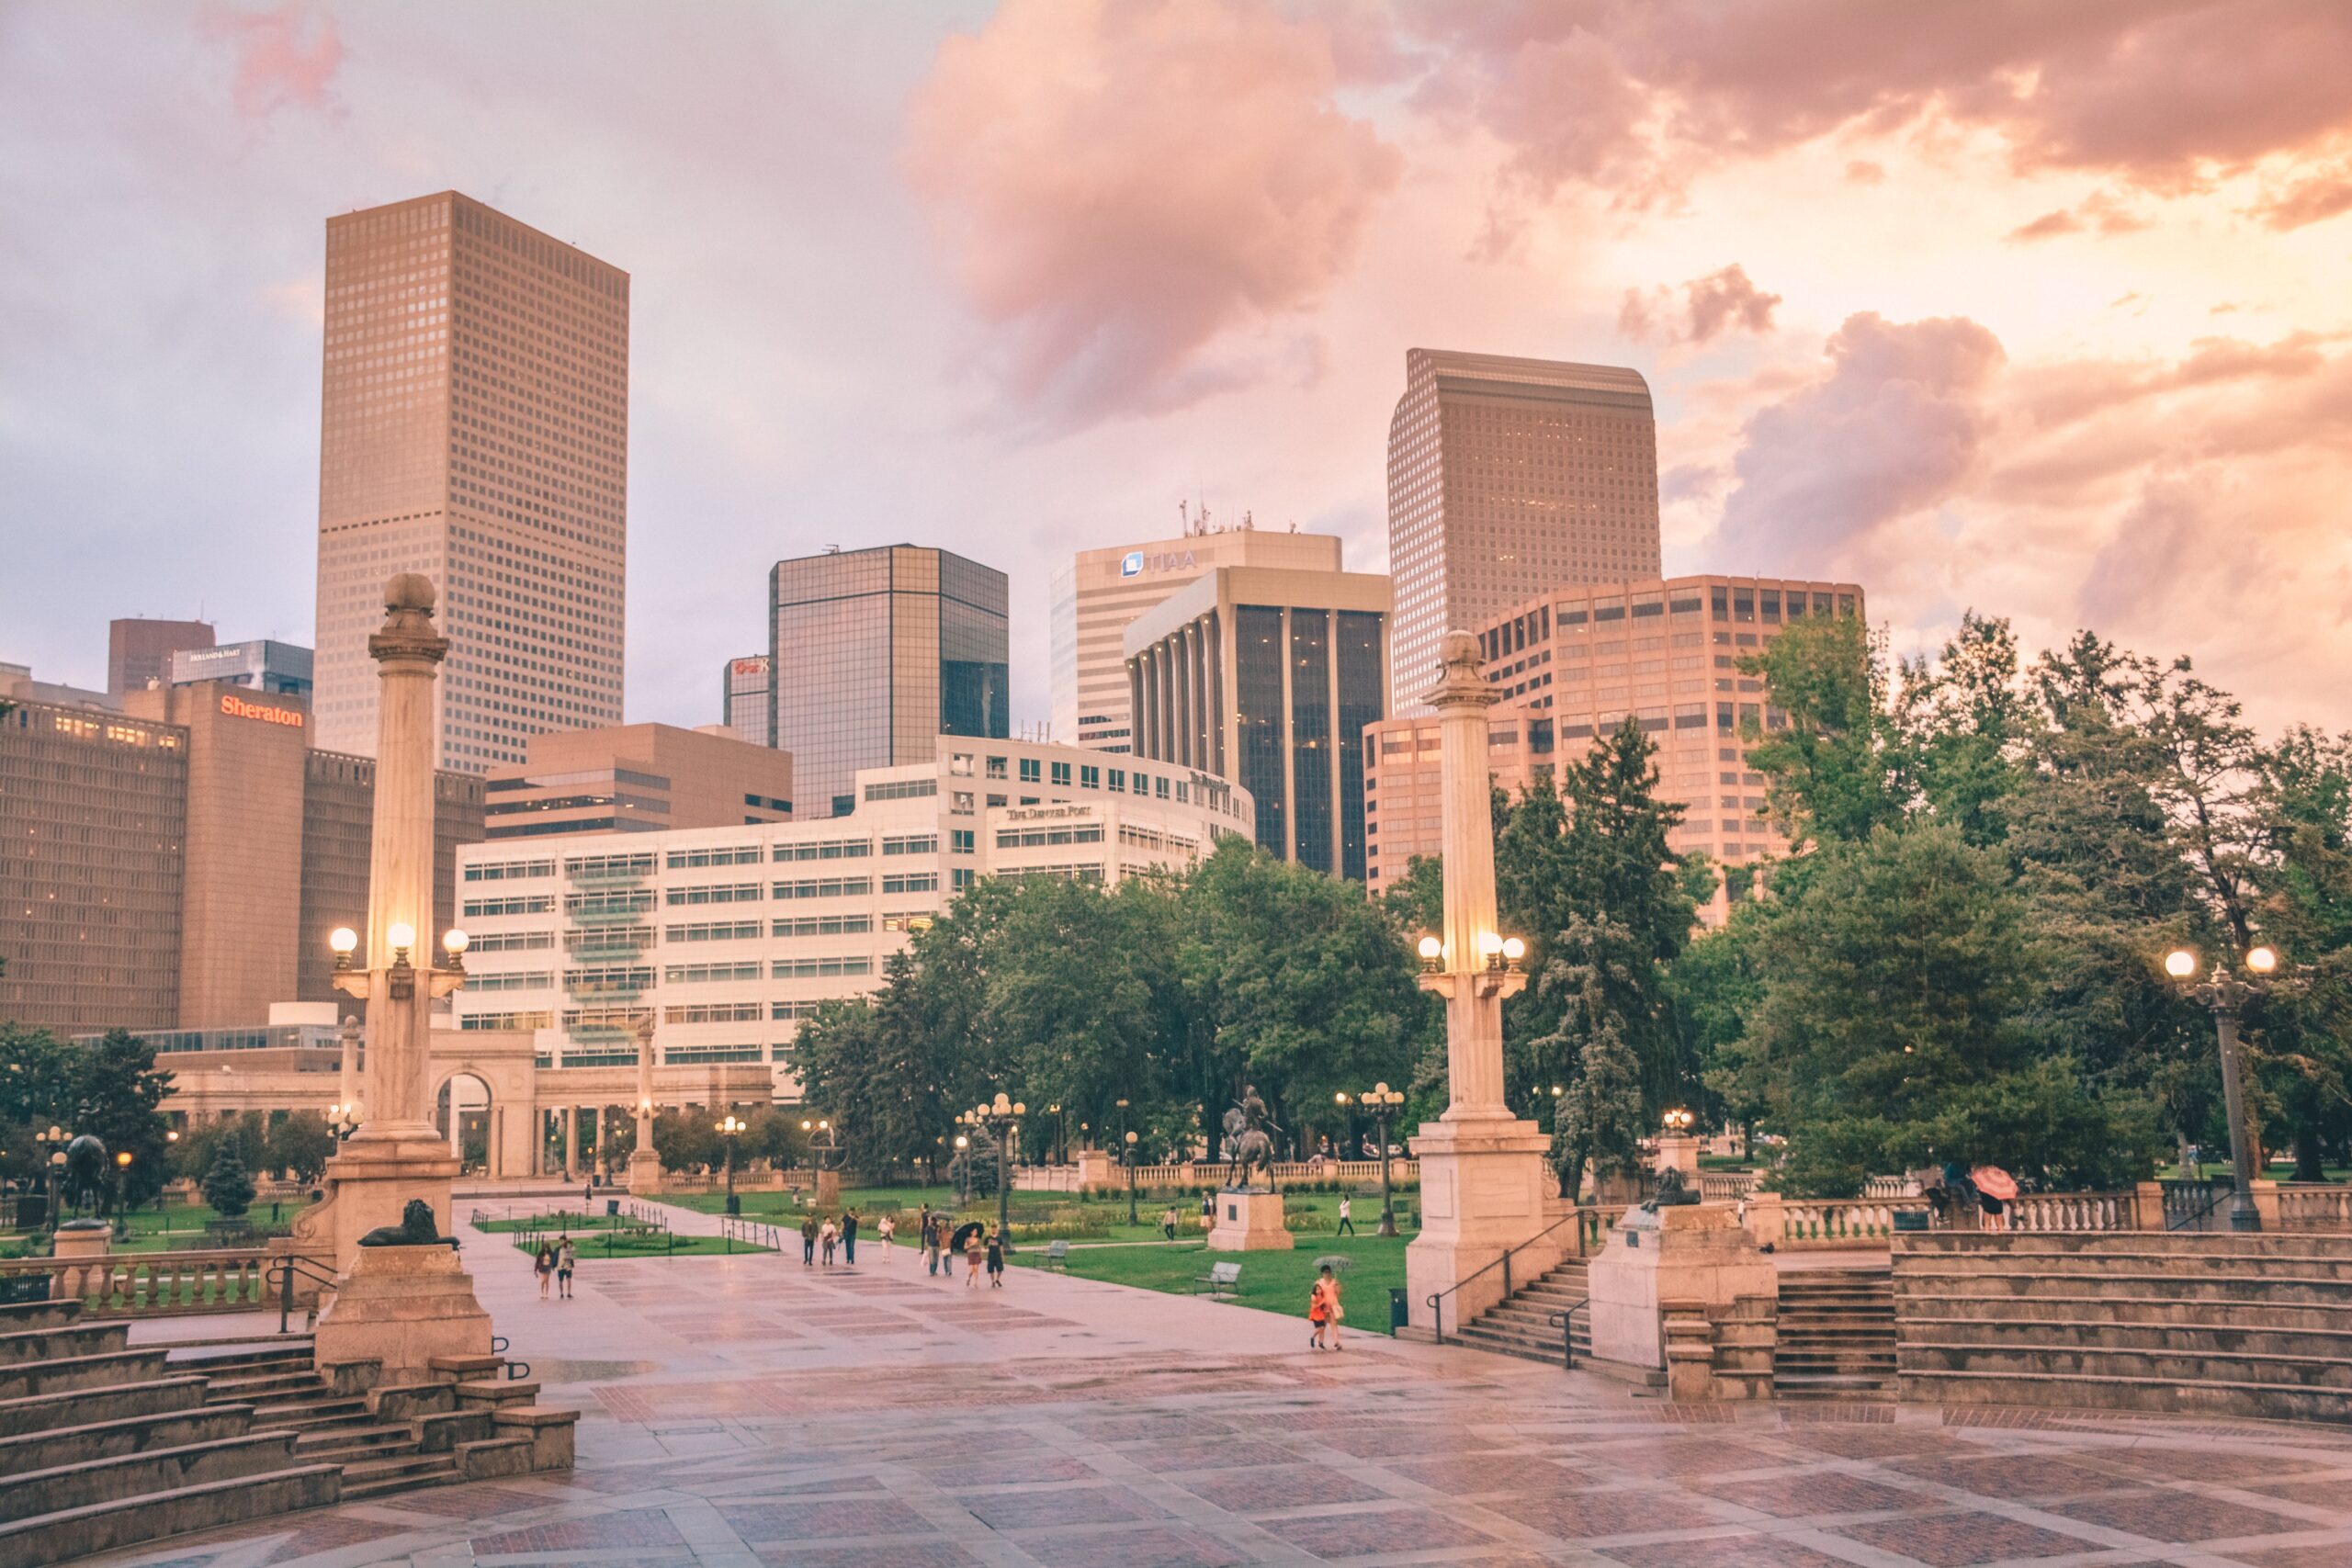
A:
x: 571, y: 1143
x: 644, y: 1164
x: 1483, y: 1180
x: 399, y: 1305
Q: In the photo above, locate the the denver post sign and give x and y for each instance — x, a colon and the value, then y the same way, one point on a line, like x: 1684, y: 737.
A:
x: 236, y: 706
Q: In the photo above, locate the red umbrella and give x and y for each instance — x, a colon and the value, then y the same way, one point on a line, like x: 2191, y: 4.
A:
x: 1991, y: 1180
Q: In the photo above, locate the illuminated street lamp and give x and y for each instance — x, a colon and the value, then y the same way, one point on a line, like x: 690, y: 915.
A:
x: 1130, y: 1155
x: 731, y: 1129
x: 998, y: 1117
x: 1383, y: 1104
x: 2227, y: 995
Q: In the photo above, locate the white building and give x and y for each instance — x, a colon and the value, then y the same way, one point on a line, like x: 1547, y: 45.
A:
x: 1100, y: 592
x: 732, y: 935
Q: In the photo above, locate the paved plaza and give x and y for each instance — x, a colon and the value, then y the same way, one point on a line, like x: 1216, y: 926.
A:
x: 747, y: 1411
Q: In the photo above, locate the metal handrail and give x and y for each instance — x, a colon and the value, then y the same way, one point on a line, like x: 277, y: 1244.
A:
x: 1437, y: 1311
x: 2220, y: 1192
x: 1564, y: 1319
x: 286, y: 1264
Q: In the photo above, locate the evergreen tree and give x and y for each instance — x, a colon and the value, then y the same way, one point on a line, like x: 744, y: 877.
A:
x: 1600, y: 980
x: 228, y: 1185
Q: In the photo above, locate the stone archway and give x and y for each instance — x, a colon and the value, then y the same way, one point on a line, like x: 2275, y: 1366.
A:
x: 463, y: 1110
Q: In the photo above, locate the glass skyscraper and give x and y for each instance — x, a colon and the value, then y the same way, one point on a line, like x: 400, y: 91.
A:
x: 874, y: 654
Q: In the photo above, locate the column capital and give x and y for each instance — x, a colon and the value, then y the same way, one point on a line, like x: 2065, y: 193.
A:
x: 1461, y: 682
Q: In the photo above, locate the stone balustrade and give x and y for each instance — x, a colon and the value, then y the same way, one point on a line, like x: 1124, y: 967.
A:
x: 1113, y: 1177
x: 169, y: 1285
x: 1726, y: 1186
x: 2314, y: 1208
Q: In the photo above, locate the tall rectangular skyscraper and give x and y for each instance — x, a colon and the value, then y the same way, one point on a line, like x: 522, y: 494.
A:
x: 475, y: 428
x: 1507, y: 477
x: 1100, y: 592
x: 743, y: 694
x: 874, y: 654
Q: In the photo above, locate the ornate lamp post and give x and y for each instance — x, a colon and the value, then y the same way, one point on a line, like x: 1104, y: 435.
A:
x: 963, y: 1169
x: 998, y: 1117
x: 1383, y: 1104
x: 2227, y: 994
x: 53, y: 1166
x: 1128, y: 1154
x: 731, y: 1129
x: 1061, y: 1135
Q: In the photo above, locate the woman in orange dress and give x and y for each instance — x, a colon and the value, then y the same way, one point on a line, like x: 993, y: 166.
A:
x: 1323, y: 1311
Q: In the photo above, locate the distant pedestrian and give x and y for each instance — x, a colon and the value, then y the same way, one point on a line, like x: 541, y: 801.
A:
x: 587, y: 1198
x: 566, y: 1255
x: 885, y: 1229
x: 826, y: 1239
x: 975, y: 1259
x: 809, y: 1242
x: 543, y: 1265
x: 1209, y: 1209
x: 996, y: 1260
x: 1323, y: 1311
x: 931, y: 1240
x: 1168, y: 1222
x: 849, y: 1237
x: 1347, y: 1218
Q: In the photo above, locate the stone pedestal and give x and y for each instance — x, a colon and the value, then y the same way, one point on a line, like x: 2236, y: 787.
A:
x: 1094, y: 1173
x: 402, y: 1307
x: 1486, y: 1187
x: 368, y: 1184
x: 644, y: 1173
x: 1680, y: 1151
x: 1694, y: 1257
x: 1249, y: 1222
x: 828, y: 1190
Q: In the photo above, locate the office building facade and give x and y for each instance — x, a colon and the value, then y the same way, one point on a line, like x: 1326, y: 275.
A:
x: 474, y: 428
x: 1572, y: 666
x: 139, y: 651
x: 637, y: 778
x: 876, y: 654
x: 745, y: 699
x: 1100, y: 592
x: 179, y: 864
x: 1267, y: 678
x: 260, y: 664
x: 732, y: 936
x: 1507, y: 477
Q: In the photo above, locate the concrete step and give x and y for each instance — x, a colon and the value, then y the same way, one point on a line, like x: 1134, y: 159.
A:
x: 105, y: 1439
x: 2186, y: 1260
x: 2167, y: 1312
x: 61, y: 1373
x: 46, y: 1538
x: 2097, y: 1360
x: 2288, y: 1290
x: 306, y: 1415
x: 125, y: 1476
x: 344, y: 1444
x: 37, y: 1315
x: 48, y: 1342
x: 80, y: 1406
x: 242, y: 1386
x: 1535, y: 1333
x: 2105, y: 1392
x: 2236, y: 1338
x: 236, y: 1357
x: 2020, y: 1244
x: 373, y: 1478
x: 1840, y: 1385
x: 1523, y: 1349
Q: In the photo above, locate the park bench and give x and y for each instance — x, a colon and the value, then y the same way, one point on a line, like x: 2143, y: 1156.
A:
x: 1220, y: 1278
x: 1058, y: 1255
x: 1339, y: 1263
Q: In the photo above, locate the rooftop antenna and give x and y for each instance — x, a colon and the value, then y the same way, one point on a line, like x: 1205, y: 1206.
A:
x: 1185, y: 514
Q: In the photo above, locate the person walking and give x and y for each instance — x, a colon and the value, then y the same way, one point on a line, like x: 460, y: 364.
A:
x: 1168, y: 1222
x: 566, y: 1255
x: 931, y: 1239
x: 809, y: 1242
x: 975, y: 1260
x: 884, y: 1229
x: 1347, y: 1222
x: 1209, y: 1209
x: 849, y: 1237
x: 1323, y: 1311
x: 996, y: 1260
x: 828, y: 1239
x: 543, y: 1265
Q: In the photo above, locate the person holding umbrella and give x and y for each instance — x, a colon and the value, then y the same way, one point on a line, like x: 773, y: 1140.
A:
x: 964, y: 1241
x: 1995, y: 1189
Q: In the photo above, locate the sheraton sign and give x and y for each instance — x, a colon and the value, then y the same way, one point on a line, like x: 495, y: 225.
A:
x: 236, y: 706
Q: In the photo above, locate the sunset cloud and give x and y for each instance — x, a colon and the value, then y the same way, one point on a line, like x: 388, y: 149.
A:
x: 287, y: 58
x: 1119, y: 186
x: 1720, y: 302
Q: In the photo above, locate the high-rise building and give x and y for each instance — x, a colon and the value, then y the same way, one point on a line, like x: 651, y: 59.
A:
x: 262, y: 664
x: 1100, y: 592
x: 1507, y: 477
x: 1266, y: 679
x: 474, y: 428
x: 743, y: 691
x: 874, y: 655
x: 140, y: 650
x: 637, y: 778
x: 183, y: 859
x: 1571, y: 666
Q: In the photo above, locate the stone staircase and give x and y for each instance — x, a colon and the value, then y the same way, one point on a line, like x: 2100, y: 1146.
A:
x: 1836, y: 1335
x: 2211, y: 1324
x: 104, y: 1446
x: 1522, y: 1325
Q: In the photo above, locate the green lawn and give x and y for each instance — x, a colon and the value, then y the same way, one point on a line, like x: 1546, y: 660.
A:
x: 1045, y: 1216
x: 595, y: 1235
x: 1270, y: 1282
x: 152, y: 1230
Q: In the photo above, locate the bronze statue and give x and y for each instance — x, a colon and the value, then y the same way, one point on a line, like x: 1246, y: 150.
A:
x: 417, y: 1228
x: 1674, y: 1191
x: 1248, y: 1141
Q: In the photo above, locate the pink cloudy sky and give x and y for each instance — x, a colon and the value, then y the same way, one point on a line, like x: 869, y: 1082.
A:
x: 2039, y: 309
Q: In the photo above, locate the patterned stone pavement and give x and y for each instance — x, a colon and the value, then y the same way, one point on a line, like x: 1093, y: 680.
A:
x: 745, y: 1411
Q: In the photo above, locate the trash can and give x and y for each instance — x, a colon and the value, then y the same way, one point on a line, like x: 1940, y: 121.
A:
x: 612, y: 1208
x: 734, y: 1205
x: 1398, y: 1315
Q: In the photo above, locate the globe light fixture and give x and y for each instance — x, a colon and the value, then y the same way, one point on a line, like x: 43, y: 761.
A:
x: 2262, y: 960
x: 2180, y: 964
x: 1490, y: 944
x: 1431, y: 951
x: 1513, y: 950
x: 344, y: 941
x: 402, y: 936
